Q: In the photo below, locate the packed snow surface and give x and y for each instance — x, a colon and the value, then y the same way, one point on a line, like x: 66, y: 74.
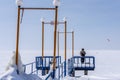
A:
x: 107, y: 66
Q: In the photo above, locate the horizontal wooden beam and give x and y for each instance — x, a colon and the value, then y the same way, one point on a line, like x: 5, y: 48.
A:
x: 37, y: 8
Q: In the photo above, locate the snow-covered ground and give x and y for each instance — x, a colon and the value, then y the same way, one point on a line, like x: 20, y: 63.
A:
x: 13, y: 72
x: 107, y: 65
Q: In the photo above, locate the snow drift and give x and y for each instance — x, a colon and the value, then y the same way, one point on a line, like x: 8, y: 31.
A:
x: 11, y: 72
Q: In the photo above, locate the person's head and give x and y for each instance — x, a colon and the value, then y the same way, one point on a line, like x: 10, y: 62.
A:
x: 82, y: 49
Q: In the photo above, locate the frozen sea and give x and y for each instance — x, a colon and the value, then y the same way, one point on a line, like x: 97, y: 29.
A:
x: 107, y: 63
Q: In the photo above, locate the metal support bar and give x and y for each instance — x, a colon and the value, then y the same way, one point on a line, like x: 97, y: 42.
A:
x: 37, y: 8
x: 65, y: 69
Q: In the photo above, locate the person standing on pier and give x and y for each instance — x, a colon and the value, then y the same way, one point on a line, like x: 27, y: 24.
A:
x: 82, y: 53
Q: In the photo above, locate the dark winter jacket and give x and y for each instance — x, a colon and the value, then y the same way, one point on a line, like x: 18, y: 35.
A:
x: 82, y: 53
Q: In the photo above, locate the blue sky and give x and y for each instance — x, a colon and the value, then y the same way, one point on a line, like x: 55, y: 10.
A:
x: 93, y: 21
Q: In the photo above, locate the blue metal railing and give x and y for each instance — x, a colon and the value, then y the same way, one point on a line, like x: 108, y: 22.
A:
x: 50, y: 75
x: 70, y: 67
x: 80, y: 63
x: 74, y: 63
x: 31, y: 66
x: 88, y: 64
x: 60, y: 67
x: 61, y: 72
x: 43, y: 63
x: 63, y: 69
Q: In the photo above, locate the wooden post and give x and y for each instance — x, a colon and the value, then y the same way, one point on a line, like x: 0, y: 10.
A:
x: 43, y: 71
x: 65, y: 45
x: 55, y: 31
x: 17, y: 36
x: 65, y: 39
x: 42, y: 39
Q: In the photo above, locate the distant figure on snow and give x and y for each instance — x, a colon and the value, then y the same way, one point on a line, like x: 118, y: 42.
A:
x: 82, y: 53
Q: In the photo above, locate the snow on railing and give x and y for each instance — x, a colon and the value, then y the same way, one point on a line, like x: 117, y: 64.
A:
x: 11, y: 69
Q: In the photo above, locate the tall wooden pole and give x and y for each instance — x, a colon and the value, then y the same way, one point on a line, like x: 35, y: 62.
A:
x: 17, y: 36
x: 65, y: 39
x: 42, y: 39
x: 55, y: 32
x: 42, y: 46
x: 65, y: 46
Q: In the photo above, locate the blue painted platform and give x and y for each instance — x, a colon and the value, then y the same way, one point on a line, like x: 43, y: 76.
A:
x: 89, y: 63
x: 75, y: 63
x: 44, y: 63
